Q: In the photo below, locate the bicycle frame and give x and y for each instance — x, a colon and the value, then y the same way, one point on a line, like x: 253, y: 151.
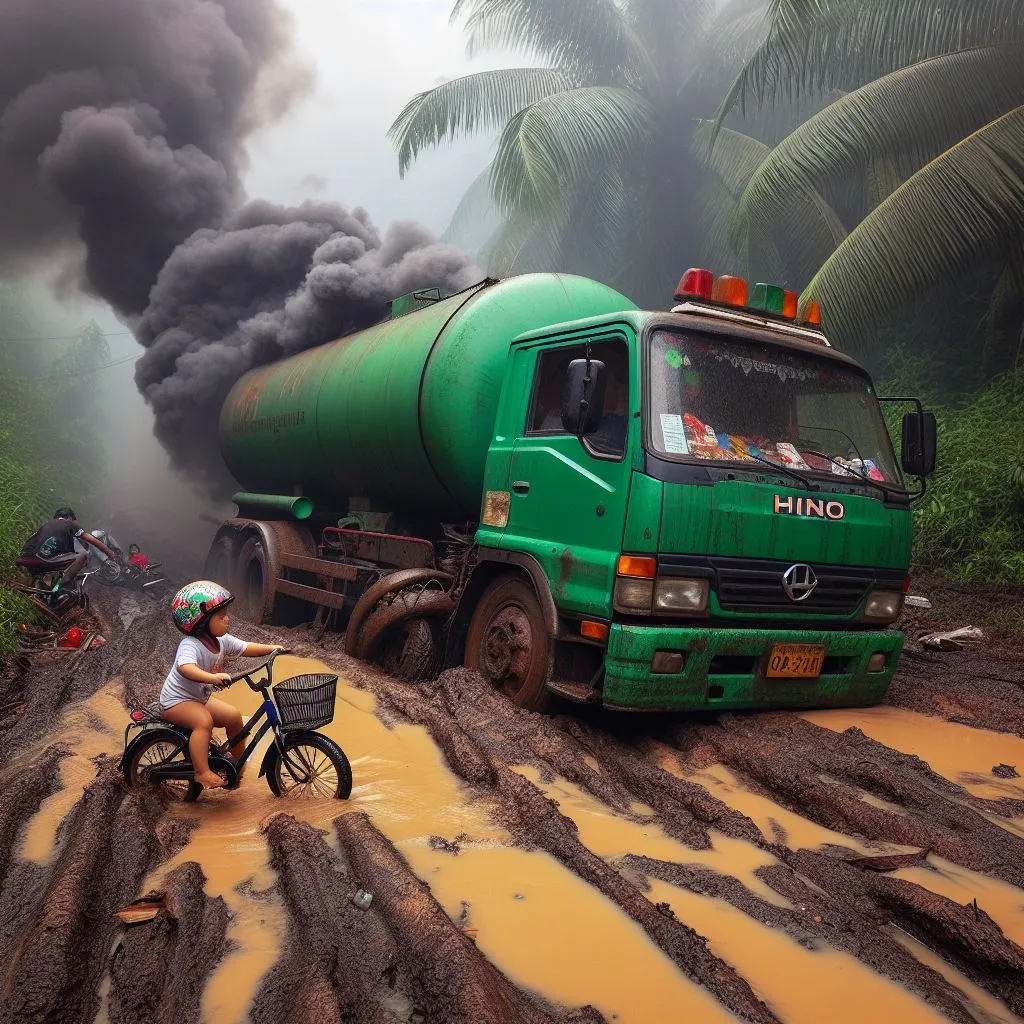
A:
x: 266, y: 717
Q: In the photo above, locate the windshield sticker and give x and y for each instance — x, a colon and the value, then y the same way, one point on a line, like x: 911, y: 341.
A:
x: 784, y: 373
x: 674, y: 358
x: 789, y: 456
x: 674, y: 434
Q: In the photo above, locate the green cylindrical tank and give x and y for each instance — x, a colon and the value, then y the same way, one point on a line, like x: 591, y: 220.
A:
x: 402, y: 413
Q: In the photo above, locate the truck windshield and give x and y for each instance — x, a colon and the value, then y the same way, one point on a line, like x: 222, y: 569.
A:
x: 718, y: 400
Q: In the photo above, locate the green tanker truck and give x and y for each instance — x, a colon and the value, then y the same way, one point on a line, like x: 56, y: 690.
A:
x: 694, y: 508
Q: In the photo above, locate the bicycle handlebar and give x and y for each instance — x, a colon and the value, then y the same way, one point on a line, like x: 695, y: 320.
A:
x: 267, y: 665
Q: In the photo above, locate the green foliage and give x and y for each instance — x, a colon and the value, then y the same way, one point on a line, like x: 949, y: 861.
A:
x: 49, y: 452
x: 970, y: 525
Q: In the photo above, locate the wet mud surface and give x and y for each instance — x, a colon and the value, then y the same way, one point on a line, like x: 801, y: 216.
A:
x: 583, y: 867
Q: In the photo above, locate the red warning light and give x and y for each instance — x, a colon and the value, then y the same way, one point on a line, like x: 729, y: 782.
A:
x: 695, y: 284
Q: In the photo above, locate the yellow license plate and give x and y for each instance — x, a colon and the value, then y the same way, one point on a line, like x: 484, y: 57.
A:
x: 795, y: 661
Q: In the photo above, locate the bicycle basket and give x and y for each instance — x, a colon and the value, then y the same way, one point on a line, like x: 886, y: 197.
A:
x: 306, y: 701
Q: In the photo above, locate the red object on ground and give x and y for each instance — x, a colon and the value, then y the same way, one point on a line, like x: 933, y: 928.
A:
x: 140, y: 561
x: 72, y: 638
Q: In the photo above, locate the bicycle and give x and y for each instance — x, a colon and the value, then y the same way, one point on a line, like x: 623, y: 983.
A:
x: 40, y: 591
x: 300, y: 761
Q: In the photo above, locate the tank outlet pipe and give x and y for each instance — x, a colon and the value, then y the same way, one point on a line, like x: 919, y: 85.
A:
x: 297, y: 508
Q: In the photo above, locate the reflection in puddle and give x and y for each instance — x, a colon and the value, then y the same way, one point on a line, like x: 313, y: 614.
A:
x: 960, y: 753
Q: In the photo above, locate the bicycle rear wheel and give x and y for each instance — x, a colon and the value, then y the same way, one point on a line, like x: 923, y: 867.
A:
x: 164, y: 747
x: 314, y: 765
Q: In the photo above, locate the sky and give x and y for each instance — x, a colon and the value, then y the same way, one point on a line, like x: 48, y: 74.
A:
x: 370, y: 57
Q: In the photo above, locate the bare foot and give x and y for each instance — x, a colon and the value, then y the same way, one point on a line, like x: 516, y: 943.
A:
x: 209, y: 780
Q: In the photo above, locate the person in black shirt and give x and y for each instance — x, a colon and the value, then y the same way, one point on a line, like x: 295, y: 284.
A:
x: 61, y: 543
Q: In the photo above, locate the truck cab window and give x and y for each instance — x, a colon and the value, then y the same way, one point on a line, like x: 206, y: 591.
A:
x: 545, y: 415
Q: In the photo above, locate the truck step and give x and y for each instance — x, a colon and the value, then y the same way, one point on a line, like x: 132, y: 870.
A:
x: 580, y: 693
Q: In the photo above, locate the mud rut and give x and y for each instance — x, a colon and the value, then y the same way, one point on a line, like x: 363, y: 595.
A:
x: 65, y: 957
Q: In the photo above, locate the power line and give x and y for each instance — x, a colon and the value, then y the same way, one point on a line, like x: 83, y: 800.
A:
x: 77, y: 373
x: 65, y: 337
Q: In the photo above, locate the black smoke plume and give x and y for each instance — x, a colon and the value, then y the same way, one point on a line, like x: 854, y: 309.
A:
x: 122, y: 145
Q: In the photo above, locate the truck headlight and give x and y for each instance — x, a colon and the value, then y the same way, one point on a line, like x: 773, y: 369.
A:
x: 633, y: 596
x: 681, y: 595
x: 883, y: 605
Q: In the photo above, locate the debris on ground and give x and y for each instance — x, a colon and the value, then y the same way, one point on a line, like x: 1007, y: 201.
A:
x: 1006, y: 771
x: 143, y: 909
x: 917, y: 601
x: 952, y: 640
x: 893, y: 862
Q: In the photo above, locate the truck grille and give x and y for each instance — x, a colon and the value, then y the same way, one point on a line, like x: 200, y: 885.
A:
x: 754, y: 585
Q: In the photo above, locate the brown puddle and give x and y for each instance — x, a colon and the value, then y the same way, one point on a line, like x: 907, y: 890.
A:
x: 1002, y: 902
x: 802, y: 986
x: 981, y: 1005
x: 610, y: 837
x: 89, y: 728
x: 526, y: 907
x: 960, y: 753
x: 777, y: 824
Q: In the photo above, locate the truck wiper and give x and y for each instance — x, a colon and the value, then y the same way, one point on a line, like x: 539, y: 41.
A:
x: 851, y: 472
x: 785, y: 469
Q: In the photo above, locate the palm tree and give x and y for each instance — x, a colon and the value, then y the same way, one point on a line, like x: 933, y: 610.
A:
x: 920, y: 154
x: 594, y: 169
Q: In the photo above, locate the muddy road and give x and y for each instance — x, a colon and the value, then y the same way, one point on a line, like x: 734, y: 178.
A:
x: 835, y: 866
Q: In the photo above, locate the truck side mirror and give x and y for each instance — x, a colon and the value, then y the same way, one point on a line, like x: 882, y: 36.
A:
x: 583, y: 398
x: 919, y: 444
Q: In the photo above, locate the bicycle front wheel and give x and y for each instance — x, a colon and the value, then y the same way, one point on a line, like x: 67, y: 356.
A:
x: 313, y: 765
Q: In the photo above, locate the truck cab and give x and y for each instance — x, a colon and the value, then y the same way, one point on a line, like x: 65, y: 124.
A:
x: 710, y: 500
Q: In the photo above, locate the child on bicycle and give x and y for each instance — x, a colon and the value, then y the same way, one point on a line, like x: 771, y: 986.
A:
x: 199, y: 610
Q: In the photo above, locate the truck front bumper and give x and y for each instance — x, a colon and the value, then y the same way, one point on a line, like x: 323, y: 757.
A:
x: 725, y: 669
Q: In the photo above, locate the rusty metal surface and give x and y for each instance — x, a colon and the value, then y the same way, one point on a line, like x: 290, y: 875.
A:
x: 405, y: 552
x: 320, y: 566
x: 315, y: 595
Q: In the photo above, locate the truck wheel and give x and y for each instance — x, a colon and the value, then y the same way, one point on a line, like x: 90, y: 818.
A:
x: 412, y: 651
x: 220, y: 562
x: 508, y: 642
x: 255, y: 583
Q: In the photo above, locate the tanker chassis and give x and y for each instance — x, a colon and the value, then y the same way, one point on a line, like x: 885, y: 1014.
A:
x: 691, y: 509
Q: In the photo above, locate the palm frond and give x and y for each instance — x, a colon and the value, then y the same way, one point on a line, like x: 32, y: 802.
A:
x: 733, y: 158
x: 898, y: 122
x: 809, y: 229
x: 966, y: 204
x: 480, y: 102
x: 590, y: 38
x: 547, y: 148
x: 476, y: 217
x: 815, y: 45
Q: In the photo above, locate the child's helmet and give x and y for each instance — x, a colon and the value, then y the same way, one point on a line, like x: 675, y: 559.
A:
x: 193, y: 605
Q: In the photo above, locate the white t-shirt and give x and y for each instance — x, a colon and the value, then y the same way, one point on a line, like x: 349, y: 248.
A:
x: 192, y: 651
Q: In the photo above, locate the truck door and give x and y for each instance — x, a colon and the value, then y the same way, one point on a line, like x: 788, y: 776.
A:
x: 568, y: 500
